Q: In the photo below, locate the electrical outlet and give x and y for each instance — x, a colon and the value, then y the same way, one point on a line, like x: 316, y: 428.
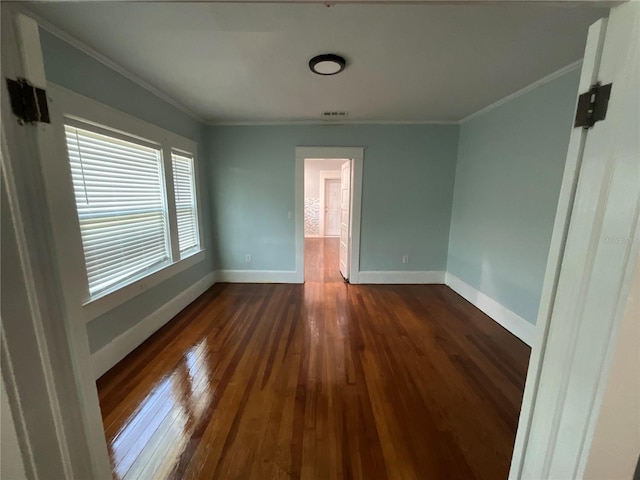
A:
x: 289, y: 214
x: 405, y: 259
x: 247, y: 258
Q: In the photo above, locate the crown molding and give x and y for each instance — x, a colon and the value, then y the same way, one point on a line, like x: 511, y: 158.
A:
x: 552, y: 76
x: 86, y: 49
x: 331, y: 122
x: 522, y: 91
x: 78, y: 44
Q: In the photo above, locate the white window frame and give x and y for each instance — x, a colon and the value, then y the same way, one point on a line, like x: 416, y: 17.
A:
x: 65, y: 104
x: 190, y: 251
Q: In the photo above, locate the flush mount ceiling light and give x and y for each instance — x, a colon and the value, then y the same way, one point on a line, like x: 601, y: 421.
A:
x: 327, y: 64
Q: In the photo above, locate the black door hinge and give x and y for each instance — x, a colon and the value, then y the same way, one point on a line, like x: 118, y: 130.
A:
x: 592, y: 106
x: 28, y: 103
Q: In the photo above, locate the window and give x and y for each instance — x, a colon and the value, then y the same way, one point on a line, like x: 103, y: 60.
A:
x: 185, y: 196
x: 123, y: 207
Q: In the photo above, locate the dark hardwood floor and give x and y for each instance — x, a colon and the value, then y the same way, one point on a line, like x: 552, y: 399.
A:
x: 318, y: 381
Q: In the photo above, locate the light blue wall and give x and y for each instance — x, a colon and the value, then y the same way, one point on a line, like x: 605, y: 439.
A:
x: 72, y: 69
x: 509, y: 170
x: 406, y: 201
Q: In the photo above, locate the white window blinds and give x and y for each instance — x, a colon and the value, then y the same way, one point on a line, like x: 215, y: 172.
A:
x: 185, y: 195
x: 119, y: 191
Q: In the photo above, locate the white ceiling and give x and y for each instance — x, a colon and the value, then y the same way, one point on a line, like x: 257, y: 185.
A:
x: 248, y: 62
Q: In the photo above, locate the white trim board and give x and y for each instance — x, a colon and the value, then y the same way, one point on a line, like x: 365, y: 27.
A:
x: 402, y: 278
x: 514, y: 323
x: 255, y: 276
x: 522, y: 91
x: 127, y: 342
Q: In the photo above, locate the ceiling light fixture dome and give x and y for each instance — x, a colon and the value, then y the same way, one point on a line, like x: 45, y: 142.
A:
x: 327, y: 64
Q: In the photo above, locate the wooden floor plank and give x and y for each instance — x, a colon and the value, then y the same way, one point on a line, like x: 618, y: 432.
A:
x: 324, y: 380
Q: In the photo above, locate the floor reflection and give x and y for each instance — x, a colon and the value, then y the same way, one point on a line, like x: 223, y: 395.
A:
x: 314, y: 381
x: 199, y: 377
x: 141, y: 447
x: 153, y: 437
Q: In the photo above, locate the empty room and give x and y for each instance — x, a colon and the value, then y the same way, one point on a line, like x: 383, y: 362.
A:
x: 320, y: 240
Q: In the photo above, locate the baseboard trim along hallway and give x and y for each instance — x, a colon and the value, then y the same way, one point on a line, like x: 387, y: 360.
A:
x: 255, y: 276
x: 401, y: 278
x: 514, y: 323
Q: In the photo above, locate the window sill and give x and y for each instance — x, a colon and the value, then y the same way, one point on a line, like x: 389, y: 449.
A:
x: 97, y: 306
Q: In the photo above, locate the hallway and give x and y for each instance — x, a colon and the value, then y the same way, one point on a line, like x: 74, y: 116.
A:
x: 318, y: 381
x: 321, y: 259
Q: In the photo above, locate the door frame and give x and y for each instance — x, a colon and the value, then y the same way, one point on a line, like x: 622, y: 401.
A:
x: 575, y: 342
x: 324, y: 176
x: 356, y: 155
x: 46, y: 362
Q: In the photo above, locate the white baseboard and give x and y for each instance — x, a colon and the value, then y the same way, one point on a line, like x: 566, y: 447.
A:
x: 256, y: 276
x: 400, y: 278
x: 517, y: 325
x: 121, y: 346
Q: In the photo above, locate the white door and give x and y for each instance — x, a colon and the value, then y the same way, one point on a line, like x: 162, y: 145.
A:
x: 593, y: 249
x: 345, y: 199
x: 332, y: 207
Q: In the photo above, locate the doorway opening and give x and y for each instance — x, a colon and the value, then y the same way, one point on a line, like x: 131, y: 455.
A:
x: 327, y: 201
x: 328, y: 204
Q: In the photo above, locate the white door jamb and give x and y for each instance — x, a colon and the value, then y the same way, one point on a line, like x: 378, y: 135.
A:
x: 46, y: 364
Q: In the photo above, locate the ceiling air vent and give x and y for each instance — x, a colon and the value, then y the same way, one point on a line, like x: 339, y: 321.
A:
x: 334, y: 115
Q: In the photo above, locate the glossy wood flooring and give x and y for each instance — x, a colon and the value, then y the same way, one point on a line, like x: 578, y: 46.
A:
x: 321, y: 381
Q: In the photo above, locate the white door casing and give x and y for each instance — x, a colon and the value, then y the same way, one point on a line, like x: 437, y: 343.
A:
x: 332, y: 208
x: 46, y: 364
x: 356, y: 154
x: 594, y: 245
x: 345, y: 213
